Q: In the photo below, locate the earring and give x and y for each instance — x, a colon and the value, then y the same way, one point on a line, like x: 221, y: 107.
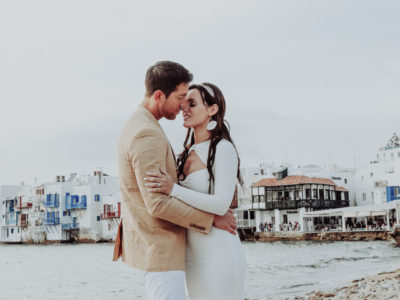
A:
x: 211, y: 125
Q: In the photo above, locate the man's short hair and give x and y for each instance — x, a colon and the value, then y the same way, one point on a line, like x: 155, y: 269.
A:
x: 166, y: 76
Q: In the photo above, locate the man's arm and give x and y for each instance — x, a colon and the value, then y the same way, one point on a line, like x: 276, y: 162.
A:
x: 148, y: 153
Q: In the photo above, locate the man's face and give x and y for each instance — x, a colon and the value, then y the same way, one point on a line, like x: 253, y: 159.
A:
x: 171, y: 106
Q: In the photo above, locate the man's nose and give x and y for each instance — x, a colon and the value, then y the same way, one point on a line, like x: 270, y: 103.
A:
x: 184, y: 107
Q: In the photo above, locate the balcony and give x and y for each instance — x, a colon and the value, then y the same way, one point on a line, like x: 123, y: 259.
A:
x: 109, y: 212
x: 69, y: 226
x: 51, y: 221
x: 315, y: 204
x: 73, y: 202
x: 108, y: 215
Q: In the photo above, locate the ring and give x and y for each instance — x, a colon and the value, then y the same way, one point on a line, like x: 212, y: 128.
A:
x: 159, y: 184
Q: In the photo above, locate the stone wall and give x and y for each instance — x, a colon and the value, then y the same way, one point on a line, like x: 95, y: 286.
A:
x: 322, y: 236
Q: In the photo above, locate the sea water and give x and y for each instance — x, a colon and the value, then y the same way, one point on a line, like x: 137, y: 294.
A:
x: 279, y: 270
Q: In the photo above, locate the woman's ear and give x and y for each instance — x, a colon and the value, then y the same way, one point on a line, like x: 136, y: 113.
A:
x: 212, y: 110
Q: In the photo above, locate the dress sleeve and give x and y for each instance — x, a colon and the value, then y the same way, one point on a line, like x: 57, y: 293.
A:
x: 225, y: 170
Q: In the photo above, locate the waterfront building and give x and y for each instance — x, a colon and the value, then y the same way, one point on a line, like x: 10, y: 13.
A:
x: 278, y: 195
x: 85, y: 208
x: 15, y: 205
x: 110, y: 216
x: 379, y: 181
x: 279, y: 200
x: 74, y: 207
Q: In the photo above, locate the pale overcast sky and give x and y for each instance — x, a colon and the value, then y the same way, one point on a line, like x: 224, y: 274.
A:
x: 318, y: 80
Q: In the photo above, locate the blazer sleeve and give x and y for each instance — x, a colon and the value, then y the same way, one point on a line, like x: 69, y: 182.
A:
x: 148, y: 152
x: 225, y: 170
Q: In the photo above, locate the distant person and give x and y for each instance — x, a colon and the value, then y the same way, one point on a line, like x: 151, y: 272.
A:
x: 152, y: 233
x: 208, y: 171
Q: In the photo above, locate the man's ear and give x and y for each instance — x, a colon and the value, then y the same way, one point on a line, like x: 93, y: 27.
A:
x: 212, y: 110
x: 158, y: 95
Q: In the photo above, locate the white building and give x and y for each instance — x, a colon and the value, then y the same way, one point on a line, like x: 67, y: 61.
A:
x: 379, y: 181
x: 331, y: 184
x: 80, y: 208
x: 9, y: 196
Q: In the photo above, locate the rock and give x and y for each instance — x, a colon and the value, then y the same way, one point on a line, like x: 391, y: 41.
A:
x: 385, y: 285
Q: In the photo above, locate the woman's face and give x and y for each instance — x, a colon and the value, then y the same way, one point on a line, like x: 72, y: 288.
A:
x: 195, y: 112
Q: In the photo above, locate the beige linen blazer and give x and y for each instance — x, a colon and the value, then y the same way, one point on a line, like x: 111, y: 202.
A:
x: 152, y: 232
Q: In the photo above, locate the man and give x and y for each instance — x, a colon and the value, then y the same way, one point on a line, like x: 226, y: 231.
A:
x: 152, y: 233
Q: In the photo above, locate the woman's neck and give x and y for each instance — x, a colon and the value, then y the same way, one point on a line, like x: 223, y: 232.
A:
x: 201, y: 135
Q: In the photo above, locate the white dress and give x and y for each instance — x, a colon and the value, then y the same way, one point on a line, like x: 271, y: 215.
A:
x: 215, y: 262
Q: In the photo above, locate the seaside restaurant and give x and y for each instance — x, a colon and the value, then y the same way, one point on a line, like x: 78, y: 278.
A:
x: 371, y: 217
x: 279, y: 200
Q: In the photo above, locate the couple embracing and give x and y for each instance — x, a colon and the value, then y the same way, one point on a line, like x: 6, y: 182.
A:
x: 176, y: 221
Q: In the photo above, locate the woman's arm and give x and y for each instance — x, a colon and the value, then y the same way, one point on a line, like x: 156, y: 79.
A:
x: 225, y: 175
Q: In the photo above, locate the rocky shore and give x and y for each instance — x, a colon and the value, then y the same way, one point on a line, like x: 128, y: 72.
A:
x: 385, y: 285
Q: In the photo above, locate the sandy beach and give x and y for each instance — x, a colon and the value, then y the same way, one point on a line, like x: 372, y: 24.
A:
x: 385, y: 285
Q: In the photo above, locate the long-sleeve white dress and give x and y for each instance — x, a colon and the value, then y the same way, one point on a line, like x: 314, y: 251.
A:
x: 215, y: 262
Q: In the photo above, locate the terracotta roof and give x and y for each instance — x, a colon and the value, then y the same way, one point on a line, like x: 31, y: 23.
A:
x: 293, y: 180
x: 340, y: 188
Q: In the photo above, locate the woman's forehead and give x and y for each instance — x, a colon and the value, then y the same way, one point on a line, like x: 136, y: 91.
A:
x: 194, y: 94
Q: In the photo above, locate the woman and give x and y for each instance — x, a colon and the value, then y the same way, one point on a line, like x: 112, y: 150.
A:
x: 208, y: 170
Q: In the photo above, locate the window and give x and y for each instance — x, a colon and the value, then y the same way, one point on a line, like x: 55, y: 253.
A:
x: 392, y: 155
x: 371, y: 174
x: 398, y: 154
x: 345, y: 181
x: 285, y: 219
x: 372, y: 196
x: 252, y: 215
x: 12, y: 230
x: 364, y: 196
x: 109, y: 226
x: 98, y: 218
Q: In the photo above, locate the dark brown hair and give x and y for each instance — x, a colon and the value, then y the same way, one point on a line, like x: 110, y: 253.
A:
x: 220, y: 132
x: 166, y: 76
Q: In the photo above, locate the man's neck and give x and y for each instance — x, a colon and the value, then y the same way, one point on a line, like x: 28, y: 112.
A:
x: 148, y: 104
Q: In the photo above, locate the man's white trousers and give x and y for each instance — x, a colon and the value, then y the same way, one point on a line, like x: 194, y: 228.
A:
x: 168, y: 285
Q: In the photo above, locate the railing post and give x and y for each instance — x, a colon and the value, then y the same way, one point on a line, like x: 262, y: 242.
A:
x: 277, y: 220
x: 343, y: 223
x: 387, y: 221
